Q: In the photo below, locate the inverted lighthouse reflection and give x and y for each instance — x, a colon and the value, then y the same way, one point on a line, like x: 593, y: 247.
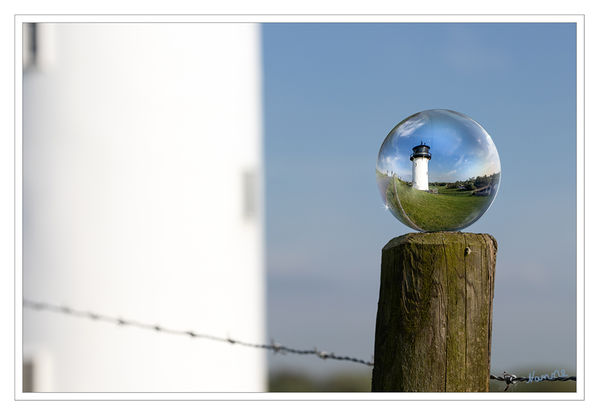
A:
x: 438, y: 170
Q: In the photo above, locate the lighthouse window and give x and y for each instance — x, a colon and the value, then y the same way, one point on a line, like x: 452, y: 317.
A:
x: 30, y: 44
x: 28, y: 372
x: 249, y: 189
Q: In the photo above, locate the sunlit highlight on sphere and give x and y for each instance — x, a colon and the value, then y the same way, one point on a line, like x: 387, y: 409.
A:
x: 438, y: 170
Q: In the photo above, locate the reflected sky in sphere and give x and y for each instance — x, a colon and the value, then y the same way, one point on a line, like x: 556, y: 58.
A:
x: 438, y: 170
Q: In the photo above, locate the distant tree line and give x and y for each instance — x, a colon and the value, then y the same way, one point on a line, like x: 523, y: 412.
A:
x: 472, y: 183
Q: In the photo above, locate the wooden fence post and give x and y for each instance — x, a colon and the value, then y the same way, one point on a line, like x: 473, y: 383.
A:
x: 434, y: 319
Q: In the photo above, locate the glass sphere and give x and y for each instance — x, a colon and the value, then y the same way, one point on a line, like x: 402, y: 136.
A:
x: 438, y: 170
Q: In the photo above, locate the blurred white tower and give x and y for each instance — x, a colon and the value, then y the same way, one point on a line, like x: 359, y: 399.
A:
x: 419, y: 158
x: 142, y: 198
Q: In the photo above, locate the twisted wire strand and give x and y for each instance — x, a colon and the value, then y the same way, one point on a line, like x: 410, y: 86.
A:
x: 273, y: 346
x: 508, y: 379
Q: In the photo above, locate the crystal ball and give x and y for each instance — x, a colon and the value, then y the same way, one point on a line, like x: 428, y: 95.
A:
x: 438, y: 170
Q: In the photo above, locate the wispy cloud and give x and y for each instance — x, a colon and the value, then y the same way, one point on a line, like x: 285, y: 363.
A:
x: 460, y: 161
x: 411, y: 125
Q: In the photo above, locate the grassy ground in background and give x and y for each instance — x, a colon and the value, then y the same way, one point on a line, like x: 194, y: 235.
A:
x: 292, y: 381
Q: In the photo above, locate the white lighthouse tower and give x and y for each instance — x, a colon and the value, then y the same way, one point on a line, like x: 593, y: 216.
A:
x: 419, y: 159
x: 142, y: 160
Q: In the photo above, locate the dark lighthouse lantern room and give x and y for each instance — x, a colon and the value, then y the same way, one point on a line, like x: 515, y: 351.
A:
x: 421, y: 150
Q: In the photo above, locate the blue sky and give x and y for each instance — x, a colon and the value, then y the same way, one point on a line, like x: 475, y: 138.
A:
x: 461, y: 147
x: 332, y: 92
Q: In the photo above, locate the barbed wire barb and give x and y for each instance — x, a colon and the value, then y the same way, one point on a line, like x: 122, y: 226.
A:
x: 513, y: 379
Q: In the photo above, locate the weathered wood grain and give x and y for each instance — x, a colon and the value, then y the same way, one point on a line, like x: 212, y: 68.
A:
x: 434, y: 320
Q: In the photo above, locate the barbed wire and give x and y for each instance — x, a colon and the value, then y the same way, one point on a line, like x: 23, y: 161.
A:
x: 513, y: 379
x: 273, y: 346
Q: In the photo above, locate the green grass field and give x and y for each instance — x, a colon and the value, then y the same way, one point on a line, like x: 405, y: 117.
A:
x: 450, y: 209
x: 360, y: 381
